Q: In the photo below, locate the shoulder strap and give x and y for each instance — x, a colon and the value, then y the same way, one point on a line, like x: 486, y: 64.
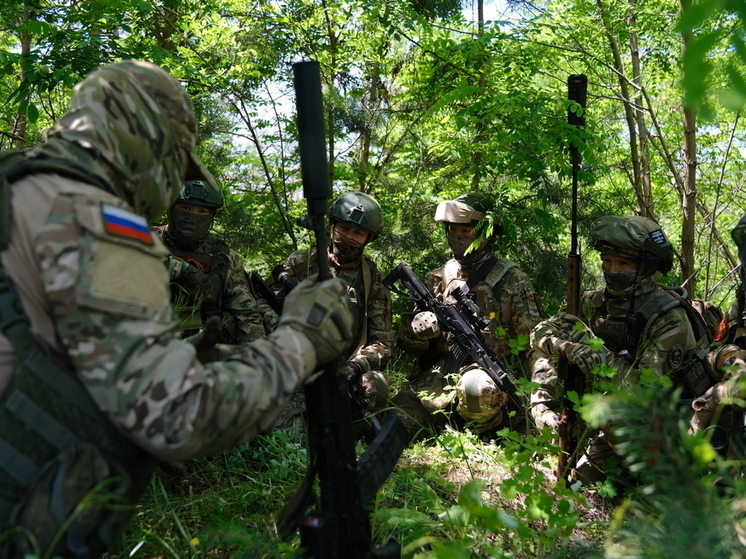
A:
x: 481, y: 273
x: 678, y: 298
x: 496, y: 274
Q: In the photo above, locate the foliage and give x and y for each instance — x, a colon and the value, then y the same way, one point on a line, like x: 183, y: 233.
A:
x: 422, y: 106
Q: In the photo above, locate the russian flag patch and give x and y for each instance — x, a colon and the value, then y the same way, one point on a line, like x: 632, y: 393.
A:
x: 122, y: 223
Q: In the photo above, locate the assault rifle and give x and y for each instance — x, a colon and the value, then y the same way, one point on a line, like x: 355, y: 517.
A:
x: 340, y: 528
x: 572, y: 377
x: 261, y: 289
x: 465, y: 324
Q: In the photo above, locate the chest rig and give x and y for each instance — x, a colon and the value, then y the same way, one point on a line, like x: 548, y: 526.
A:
x: 626, y: 332
x: 483, y: 288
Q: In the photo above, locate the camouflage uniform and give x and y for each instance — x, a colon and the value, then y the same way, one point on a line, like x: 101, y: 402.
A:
x: 665, y: 343
x: 372, y: 331
x: 727, y: 362
x: 227, y: 294
x: 505, y: 296
x: 355, y: 219
x: 90, y: 276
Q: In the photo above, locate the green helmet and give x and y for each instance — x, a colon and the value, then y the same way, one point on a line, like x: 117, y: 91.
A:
x: 358, y: 210
x: 635, y: 237
x: 472, y: 206
x: 201, y: 193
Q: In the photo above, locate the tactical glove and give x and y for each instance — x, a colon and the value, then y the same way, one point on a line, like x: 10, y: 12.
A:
x: 321, y: 311
x: 425, y: 326
x: 583, y: 356
x: 205, y: 341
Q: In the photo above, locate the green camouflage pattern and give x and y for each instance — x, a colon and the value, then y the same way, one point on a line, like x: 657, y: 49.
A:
x: 102, y: 301
x: 511, y: 305
x: 109, y: 299
x: 664, y: 346
x: 375, y: 351
x: 140, y: 123
x: 243, y: 317
x: 512, y: 308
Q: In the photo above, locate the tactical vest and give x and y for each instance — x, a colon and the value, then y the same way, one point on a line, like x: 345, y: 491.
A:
x: 191, y: 312
x: 360, y: 285
x: 615, y: 331
x: 65, y: 469
x: 485, y: 296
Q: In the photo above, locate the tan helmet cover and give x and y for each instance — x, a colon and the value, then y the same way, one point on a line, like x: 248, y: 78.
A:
x: 451, y: 211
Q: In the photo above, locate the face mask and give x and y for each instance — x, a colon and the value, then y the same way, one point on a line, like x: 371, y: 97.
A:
x: 459, y: 244
x: 188, y: 227
x: 620, y: 281
x: 346, y: 249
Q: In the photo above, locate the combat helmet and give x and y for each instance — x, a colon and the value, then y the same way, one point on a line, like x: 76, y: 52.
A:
x: 202, y: 193
x: 358, y: 210
x: 472, y: 206
x: 636, y: 238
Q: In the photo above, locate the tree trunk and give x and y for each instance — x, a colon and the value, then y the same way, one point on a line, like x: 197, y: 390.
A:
x: 19, y: 129
x: 644, y: 188
x: 689, y: 195
x: 629, y: 111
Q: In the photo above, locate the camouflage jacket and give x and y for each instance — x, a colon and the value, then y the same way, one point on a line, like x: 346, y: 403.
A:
x: 372, y: 330
x: 666, y: 341
x: 244, y: 317
x: 505, y: 296
x: 101, y: 301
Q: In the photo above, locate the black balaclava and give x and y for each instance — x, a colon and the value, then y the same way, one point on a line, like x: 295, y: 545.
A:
x: 186, y: 229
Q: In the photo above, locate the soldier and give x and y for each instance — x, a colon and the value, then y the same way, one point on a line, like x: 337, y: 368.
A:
x: 355, y: 219
x: 95, y: 385
x: 207, y: 276
x: 643, y: 326
x: 723, y: 402
x: 502, y: 292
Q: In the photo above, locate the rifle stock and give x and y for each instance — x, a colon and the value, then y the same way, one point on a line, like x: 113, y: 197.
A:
x: 340, y: 527
x: 573, y: 378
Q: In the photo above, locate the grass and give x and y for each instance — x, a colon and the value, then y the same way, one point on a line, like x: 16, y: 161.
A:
x: 450, y: 496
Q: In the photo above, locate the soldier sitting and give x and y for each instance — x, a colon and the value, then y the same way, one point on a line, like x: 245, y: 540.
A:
x: 356, y: 220
x: 207, y: 276
x: 642, y: 324
x: 504, y: 295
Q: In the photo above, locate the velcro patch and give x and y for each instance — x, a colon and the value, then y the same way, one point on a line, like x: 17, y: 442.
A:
x: 658, y: 237
x: 676, y: 356
x: 123, y: 223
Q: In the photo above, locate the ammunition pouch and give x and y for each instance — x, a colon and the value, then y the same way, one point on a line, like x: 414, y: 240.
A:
x: 694, y: 378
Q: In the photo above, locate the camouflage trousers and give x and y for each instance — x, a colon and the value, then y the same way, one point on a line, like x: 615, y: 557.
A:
x: 476, y: 398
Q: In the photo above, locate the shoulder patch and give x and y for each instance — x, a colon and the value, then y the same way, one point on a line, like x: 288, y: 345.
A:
x: 123, y: 223
x: 676, y: 356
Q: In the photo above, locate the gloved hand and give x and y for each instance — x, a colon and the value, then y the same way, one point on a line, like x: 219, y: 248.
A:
x: 425, y: 325
x: 321, y: 311
x: 205, y: 341
x: 582, y: 355
x: 200, y: 284
x: 547, y: 418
